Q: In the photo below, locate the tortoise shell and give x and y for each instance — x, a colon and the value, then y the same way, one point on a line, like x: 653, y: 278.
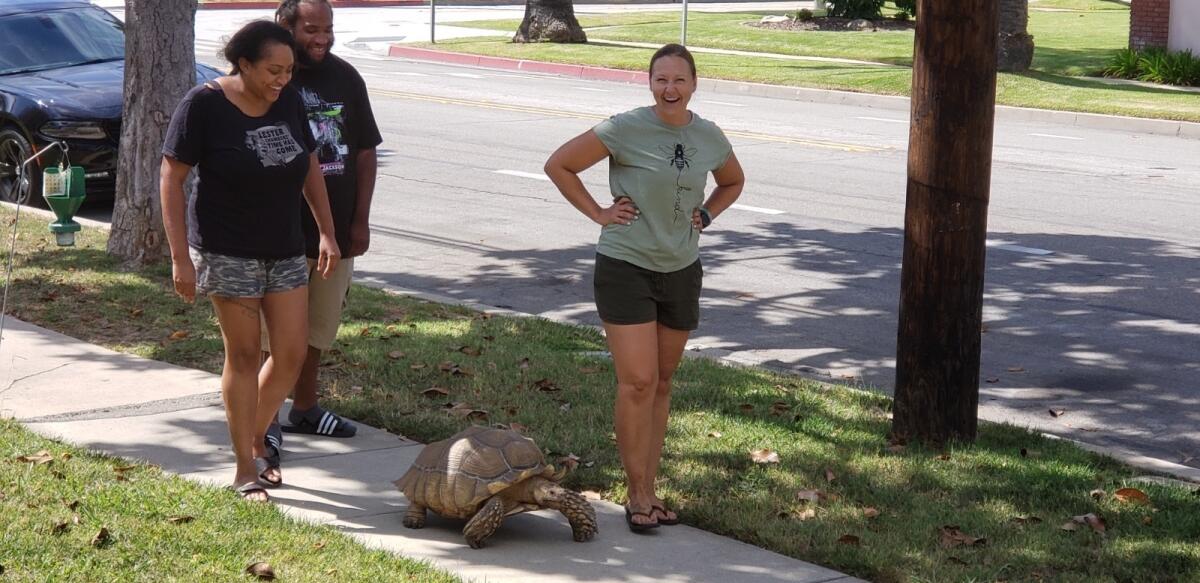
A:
x: 454, y: 477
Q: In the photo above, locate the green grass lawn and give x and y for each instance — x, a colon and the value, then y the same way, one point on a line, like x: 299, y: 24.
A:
x: 158, y: 527
x: 838, y: 496
x: 1070, y: 46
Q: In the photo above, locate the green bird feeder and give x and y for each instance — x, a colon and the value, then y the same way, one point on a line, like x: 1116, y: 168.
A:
x: 63, y: 189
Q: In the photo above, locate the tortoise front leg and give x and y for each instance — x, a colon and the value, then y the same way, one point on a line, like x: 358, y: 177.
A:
x: 573, y: 505
x: 415, y: 517
x: 485, y: 522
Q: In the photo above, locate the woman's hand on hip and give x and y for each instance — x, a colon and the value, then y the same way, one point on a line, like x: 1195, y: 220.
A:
x: 622, y: 212
x: 183, y: 274
x: 328, y: 256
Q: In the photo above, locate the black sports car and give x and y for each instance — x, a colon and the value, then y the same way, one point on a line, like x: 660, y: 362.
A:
x: 62, y: 65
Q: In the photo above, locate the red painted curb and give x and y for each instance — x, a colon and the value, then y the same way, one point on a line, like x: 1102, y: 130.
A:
x: 579, y: 71
x: 336, y: 4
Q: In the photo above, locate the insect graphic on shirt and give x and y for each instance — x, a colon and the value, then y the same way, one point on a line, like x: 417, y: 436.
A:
x: 680, y: 157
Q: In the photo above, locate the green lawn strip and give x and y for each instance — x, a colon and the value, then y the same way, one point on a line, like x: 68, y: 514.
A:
x: 426, y: 370
x: 1068, y: 43
x: 1116, y: 5
x: 159, y: 527
x: 1036, y: 90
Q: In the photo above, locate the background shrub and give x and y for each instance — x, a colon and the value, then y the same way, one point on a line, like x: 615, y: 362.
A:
x: 868, y: 9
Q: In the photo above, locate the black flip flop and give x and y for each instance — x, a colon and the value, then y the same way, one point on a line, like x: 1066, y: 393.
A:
x: 245, y: 490
x: 318, y: 421
x: 665, y: 521
x: 635, y: 527
x: 262, y: 465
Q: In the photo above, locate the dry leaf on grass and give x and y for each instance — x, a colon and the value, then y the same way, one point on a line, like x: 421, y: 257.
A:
x: 435, y: 392
x: 180, y: 519
x: 546, y: 386
x: 715, y: 434
x: 396, y: 355
x: 801, y: 514
x: 261, y: 570
x: 764, y: 456
x: 102, y: 538
x: 1089, y: 519
x: 470, y: 350
x: 72, y: 505
x: 849, y: 539
x: 524, y: 363
x: 813, y: 496
x: 1132, y: 495
x: 41, y: 457
x: 944, y: 457
x: 1097, y: 494
x: 1023, y: 520
x: 178, y: 335
x: 318, y: 545
x: 829, y: 475
x: 519, y: 428
x: 779, y: 408
x: 417, y: 366
x: 60, y: 528
x: 951, y: 536
x: 870, y: 512
x: 746, y: 407
x: 1147, y: 520
x: 1056, y: 413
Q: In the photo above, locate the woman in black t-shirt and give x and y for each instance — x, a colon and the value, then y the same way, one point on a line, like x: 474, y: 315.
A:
x: 241, y: 242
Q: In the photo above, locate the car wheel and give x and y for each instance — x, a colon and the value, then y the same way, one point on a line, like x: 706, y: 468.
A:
x: 15, y: 149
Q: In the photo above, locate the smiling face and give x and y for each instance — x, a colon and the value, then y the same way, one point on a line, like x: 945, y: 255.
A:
x: 672, y: 83
x: 266, y: 77
x: 313, y: 31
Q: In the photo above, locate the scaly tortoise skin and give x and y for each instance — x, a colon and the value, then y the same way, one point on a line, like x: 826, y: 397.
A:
x: 486, y: 474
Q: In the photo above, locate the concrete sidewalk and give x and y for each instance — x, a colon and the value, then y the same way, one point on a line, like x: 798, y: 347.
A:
x: 141, y: 409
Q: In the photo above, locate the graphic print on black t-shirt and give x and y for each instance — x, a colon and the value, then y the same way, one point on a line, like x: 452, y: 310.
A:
x: 328, y: 123
x: 274, y: 144
x: 679, y: 157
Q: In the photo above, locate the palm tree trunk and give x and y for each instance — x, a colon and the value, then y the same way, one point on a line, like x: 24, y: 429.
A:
x: 1014, y: 47
x: 550, y: 21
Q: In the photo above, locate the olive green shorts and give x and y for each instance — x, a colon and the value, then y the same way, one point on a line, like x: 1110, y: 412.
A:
x: 628, y: 294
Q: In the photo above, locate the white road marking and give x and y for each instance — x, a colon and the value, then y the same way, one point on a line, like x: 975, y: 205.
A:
x: 409, y: 74
x: 466, y: 75
x: 710, y: 102
x: 885, y: 119
x: 1018, y: 248
x: 1057, y: 137
x: 591, y: 89
x: 756, y: 209
x: 520, y: 174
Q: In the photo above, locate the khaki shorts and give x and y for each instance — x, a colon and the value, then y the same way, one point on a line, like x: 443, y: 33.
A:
x: 326, y: 298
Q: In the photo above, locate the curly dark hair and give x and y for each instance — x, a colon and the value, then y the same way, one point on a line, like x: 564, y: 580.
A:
x: 252, y: 40
x: 289, y: 10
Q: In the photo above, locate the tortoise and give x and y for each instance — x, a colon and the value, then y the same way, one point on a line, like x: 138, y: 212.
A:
x: 486, y: 474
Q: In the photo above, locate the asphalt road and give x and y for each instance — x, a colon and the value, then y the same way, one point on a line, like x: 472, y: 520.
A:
x: 1092, y: 275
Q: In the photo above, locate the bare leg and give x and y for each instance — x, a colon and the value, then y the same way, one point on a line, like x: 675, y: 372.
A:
x: 304, y: 396
x: 671, y: 343
x: 485, y: 522
x: 285, y: 314
x: 634, y: 349
x: 238, y: 318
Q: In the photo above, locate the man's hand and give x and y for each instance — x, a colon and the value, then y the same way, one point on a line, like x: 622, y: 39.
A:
x: 360, y: 239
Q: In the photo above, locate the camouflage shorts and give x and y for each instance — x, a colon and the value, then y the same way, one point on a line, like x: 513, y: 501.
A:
x: 241, y: 277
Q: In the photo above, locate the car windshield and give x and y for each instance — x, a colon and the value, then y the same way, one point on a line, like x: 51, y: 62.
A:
x: 59, y: 38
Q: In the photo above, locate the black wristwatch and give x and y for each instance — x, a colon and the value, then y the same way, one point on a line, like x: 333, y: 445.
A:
x: 705, y: 218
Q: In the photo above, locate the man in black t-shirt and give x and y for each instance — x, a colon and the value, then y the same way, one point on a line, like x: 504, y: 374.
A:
x: 340, y: 117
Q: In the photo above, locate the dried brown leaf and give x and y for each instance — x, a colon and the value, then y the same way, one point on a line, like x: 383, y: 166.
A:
x: 261, y: 570
x: 1098, y: 494
x: 951, y: 536
x: 871, y: 512
x: 41, y: 457
x: 764, y: 456
x: 809, y: 496
x: 178, y: 335
x: 992, y: 380
x: 470, y: 350
x: 72, y: 505
x: 396, y: 354
x: 417, y: 366
x: 1096, y: 522
x: 780, y: 407
x: 1024, y: 520
x: 60, y: 528
x: 746, y: 407
x: 1056, y: 413
x: 546, y: 386
x: 519, y: 428
x: 180, y: 519
x: 849, y: 539
x: 715, y: 434
x: 318, y: 545
x: 1132, y: 495
x: 829, y: 475
x: 523, y: 363
x: 1147, y: 520
x: 1016, y: 369
x: 435, y: 392
x: 102, y: 538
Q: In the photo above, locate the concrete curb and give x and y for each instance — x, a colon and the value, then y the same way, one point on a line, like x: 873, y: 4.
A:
x: 43, y: 213
x: 1181, y: 129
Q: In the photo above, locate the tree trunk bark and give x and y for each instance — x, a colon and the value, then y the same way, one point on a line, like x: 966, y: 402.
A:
x: 945, y: 222
x: 550, y: 21
x: 160, y: 67
x: 1014, y: 48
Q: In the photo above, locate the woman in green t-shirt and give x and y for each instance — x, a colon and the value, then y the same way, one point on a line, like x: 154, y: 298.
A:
x: 648, y: 274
